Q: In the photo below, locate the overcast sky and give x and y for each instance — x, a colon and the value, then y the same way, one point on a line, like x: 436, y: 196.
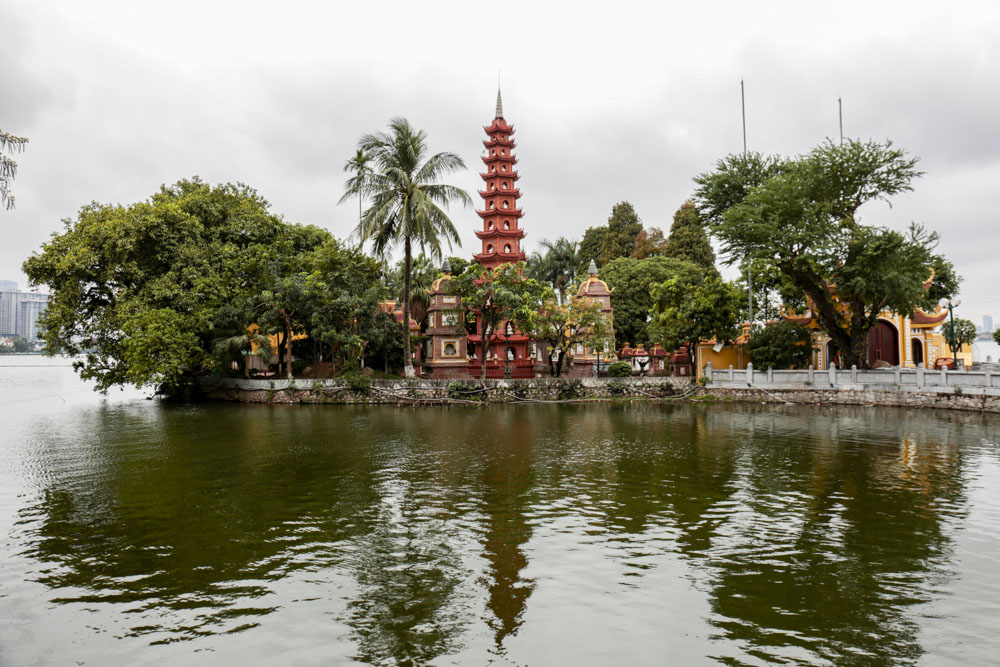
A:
x: 611, y: 101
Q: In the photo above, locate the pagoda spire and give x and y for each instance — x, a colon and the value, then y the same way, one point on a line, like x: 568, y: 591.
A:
x: 501, y: 233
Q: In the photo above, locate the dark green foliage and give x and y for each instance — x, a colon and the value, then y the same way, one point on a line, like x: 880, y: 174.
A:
x: 800, y: 215
x: 780, y: 345
x: 619, y: 369
x: 688, y: 240
x: 623, y: 227
x: 996, y: 335
x: 359, y: 383
x: 556, y: 266
x: 695, y: 305
x: 616, y: 388
x: 964, y: 332
x: 590, y: 248
x: 567, y: 390
x: 945, y: 283
x: 633, y: 281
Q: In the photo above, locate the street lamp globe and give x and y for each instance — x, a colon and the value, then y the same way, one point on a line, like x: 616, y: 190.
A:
x: 943, y: 302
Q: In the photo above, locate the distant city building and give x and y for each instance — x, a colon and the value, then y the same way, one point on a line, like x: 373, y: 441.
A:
x: 988, y: 323
x: 19, y: 311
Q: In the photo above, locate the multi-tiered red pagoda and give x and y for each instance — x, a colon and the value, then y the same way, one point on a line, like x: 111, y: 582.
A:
x: 501, y: 235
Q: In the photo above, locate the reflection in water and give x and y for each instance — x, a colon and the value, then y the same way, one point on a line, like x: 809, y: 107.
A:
x: 407, y: 536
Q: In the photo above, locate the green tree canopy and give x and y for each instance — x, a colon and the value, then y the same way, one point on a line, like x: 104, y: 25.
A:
x: 958, y: 333
x: 800, y: 215
x: 633, y: 281
x: 590, y: 248
x: 694, y: 304
x: 556, y: 266
x: 623, y: 227
x: 563, y: 327
x: 649, y: 243
x: 780, y: 345
x: 687, y: 238
x: 144, y: 290
x: 407, y: 201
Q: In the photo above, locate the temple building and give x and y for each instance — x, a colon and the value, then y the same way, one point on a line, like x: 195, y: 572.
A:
x: 456, y: 352
x: 896, y: 340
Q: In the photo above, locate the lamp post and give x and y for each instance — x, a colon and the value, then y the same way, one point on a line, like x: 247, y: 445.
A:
x: 945, y: 302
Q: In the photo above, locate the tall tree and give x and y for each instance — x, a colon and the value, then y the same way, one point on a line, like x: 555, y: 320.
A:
x: 633, y: 282
x: 359, y: 165
x: 8, y: 168
x: 649, y: 243
x: 624, y: 226
x: 406, y: 201
x: 688, y: 239
x: 556, y: 266
x: 695, y: 305
x: 801, y: 216
x: 590, y: 248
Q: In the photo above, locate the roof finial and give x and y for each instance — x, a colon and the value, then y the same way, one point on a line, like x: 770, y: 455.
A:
x: 499, y: 105
x: 592, y: 270
x: 446, y: 267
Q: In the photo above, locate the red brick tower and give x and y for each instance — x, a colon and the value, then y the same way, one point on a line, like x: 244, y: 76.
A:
x: 501, y: 235
x: 508, y: 352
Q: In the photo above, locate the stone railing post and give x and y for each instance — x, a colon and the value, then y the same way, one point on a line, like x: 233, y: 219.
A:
x: 896, y: 376
x: 920, y: 374
x: 812, y: 374
x: 708, y: 371
x: 770, y: 375
x: 854, y: 373
x: 988, y: 379
x: 750, y: 374
x: 730, y: 372
x: 832, y: 370
x: 944, y: 377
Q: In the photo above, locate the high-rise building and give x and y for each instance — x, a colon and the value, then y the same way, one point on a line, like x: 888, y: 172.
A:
x: 19, y: 312
x: 987, y: 324
x: 8, y: 286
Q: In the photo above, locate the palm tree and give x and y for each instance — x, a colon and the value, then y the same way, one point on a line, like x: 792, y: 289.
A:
x: 558, y: 265
x: 240, y: 347
x: 359, y: 166
x: 406, y: 201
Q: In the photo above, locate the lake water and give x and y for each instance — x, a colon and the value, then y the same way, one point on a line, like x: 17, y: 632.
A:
x: 137, y: 532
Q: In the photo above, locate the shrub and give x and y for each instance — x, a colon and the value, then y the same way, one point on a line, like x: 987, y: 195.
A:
x: 620, y: 369
x: 616, y: 388
x: 781, y: 345
x: 357, y: 383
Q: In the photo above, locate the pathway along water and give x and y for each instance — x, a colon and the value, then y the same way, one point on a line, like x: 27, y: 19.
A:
x: 137, y: 532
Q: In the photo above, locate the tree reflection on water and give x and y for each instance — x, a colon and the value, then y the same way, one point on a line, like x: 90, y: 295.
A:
x: 813, y: 536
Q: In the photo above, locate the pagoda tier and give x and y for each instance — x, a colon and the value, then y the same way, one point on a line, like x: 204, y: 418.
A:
x: 502, y: 213
x: 509, y: 233
x: 509, y: 143
x: 489, y: 193
x: 509, y: 176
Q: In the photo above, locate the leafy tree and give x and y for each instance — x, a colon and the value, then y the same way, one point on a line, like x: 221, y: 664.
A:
x: 557, y: 266
x: 20, y: 345
x: 624, y: 226
x: 242, y: 345
x: 564, y: 327
x: 458, y: 265
x: 799, y: 215
x: 958, y: 333
x: 944, y: 285
x: 996, y: 335
x: 781, y: 345
x: 687, y: 238
x: 649, y: 243
x: 8, y: 168
x: 406, y: 201
x: 694, y: 305
x: 143, y: 291
x: 590, y: 248
x: 633, y: 281
x: 495, y: 296
x: 422, y: 273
